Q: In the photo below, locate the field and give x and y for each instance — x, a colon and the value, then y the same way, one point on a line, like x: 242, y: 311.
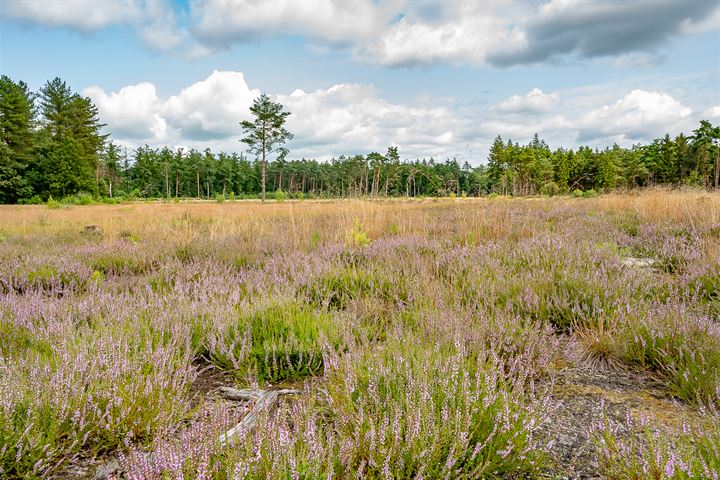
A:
x: 431, y: 338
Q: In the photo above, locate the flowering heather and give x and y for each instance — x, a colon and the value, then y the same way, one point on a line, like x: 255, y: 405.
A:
x: 425, y: 335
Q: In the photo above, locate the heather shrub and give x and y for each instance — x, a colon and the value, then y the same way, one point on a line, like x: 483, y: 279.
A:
x: 693, y: 453
x: 681, y: 345
x: 100, y: 390
x: 439, y: 411
x: 562, y: 301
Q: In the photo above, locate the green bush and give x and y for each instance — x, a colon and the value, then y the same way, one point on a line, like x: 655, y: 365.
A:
x: 339, y: 288
x: 550, y: 189
x: 279, y: 342
x: 52, y: 203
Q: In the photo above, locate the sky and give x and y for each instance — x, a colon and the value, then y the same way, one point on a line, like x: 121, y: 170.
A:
x: 435, y: 78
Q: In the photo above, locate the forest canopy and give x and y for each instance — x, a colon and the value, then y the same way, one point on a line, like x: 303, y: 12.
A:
x: 51, y: 145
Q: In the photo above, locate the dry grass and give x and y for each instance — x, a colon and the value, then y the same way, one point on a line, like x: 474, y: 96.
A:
x: 475, y: 219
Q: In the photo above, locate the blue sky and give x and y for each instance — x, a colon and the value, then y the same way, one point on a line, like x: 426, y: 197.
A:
x: 435, y: 78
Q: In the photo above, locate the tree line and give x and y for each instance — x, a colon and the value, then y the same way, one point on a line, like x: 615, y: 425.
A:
x: 51, y: 145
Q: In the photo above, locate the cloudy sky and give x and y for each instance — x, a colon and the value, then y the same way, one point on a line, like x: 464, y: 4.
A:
x: 436, y: 78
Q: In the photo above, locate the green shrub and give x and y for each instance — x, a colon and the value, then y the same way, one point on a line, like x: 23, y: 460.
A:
x: 577, y: 193
x: 52, y: 203
x: 119, y: 264
x: 338, y: 289
x: 219, y: 198
x: 279, y: 342
x: 550, y: 189
x: 357, y: 237
x: 34, y: 200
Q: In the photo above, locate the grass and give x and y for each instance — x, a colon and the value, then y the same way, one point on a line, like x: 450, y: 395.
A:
x: 421, y: 332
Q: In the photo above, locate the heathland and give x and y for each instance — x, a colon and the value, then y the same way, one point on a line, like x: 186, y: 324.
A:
x: 543, y: 337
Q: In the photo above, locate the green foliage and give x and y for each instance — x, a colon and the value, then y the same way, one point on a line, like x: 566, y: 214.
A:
x: 550, y: 189
x: 279, y: 342
x: 339, y: 288
x: 357, y: 237
x: 119, y: 264
x: 52, y: 203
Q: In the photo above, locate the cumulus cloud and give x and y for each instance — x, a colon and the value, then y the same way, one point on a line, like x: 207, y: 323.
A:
x: 638, y: 115
x: 133, y: 112
x: 211, y: 108
x: 347, y: 119
x: 456, y: 33
x: 342, y: 119
x: 351, y: 118
x: 535, y: 101
x: 206, y: 111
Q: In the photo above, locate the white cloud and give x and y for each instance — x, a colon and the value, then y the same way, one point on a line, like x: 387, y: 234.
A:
x: 638, y: 115
x: 154, y: 20
x: 347, y: 119
x: 338, y: 22
x: 211, y: 108
x: 466, y: 33
x: 402, y: 33
x: 207, y: 110
x: 77, y: 14
x: 398, y: 32
x: 133, y: 112
x: 713, y: 112
x: 351, y: 118
x: 163, y: 33
x: 342, y: 119
x: 534, y: 102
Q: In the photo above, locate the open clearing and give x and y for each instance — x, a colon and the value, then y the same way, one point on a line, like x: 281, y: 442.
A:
x: 440, y: 338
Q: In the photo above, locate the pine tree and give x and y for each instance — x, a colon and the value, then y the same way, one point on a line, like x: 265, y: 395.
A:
x: 73, y: 141
x: 266, y: 134
x: 17, y: 122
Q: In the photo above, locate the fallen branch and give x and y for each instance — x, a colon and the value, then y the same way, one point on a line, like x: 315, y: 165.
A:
x: 266, y: 399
